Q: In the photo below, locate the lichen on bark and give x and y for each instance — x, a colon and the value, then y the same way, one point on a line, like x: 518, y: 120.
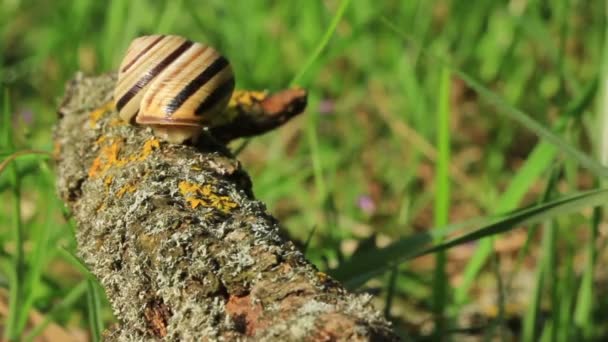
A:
x: 179, y: 243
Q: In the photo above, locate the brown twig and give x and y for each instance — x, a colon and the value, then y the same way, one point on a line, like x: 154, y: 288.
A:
x: 18, y: 154
x: 257, y: 113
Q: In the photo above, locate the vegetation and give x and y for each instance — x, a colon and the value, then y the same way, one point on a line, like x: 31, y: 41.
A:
x: 450, y: 160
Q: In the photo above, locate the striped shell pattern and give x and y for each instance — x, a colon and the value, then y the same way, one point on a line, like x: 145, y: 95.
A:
x: 169, y: 81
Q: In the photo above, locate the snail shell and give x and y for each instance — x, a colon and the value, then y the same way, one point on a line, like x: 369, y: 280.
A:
x: 174, y: 85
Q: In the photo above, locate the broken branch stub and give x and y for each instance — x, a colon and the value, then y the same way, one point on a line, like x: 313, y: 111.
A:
x: 182, y: 248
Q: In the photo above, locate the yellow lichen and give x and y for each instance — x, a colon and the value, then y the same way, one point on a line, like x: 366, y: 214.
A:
x: 246, y: 98
x: 108, y: 181
x: 96, y: 114
x: 246, y: 101
x: 101, y: 206
x: 205, y: 195
x: 115, y: 122
x: 130, y: 188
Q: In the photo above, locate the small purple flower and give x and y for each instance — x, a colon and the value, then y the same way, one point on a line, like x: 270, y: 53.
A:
x: 27, y: 115
x: 366, y: 204
x: 326, y: 106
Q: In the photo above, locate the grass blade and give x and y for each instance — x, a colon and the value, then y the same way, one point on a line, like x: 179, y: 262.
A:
x: 170, y: 13
x: 531, y: 315
x: 545, y: 272
x: 363, y: 267
x: 583, y: 315
x: 16, y: 295
x: 75, y: 261
x: 94, y: 309
x: 525, y: 120
x: 311, y: 126
x: 390, y: 291
x: 17, y: 155
x: 69, y: 300
x: 442, y: 200
x: 529, y: 216
x: 514, y: 113
x: 315, y: 155
x: 40, y: 236
x: 537, y: 162
x: 566, y: 293
x: 322, y: 43
x: 112, y: 36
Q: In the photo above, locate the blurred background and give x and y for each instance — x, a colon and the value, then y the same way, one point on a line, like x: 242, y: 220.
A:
x: 422, y: 114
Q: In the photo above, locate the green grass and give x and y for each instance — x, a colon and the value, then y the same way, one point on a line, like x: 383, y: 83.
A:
x: 436, y: 127
x: 442, y: 200
x: 15, y: 269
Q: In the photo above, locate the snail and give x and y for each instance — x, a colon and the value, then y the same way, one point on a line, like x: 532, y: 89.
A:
x: 176, y: 86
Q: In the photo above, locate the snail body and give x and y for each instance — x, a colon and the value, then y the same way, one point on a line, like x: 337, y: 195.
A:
x: 174, y: 85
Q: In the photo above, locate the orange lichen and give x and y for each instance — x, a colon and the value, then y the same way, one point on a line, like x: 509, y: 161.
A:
x: 107, y: 158
x: 149, y: 146
x: 56, y: 150
x: 96, y: 114
x: 109, y: 155
x: 205, y: 195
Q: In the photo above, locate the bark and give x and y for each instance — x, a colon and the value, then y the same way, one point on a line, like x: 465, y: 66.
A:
x: 181, y: 246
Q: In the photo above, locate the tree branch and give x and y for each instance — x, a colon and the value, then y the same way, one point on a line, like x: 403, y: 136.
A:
x: 179, y: 243
x: 256, y: 113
